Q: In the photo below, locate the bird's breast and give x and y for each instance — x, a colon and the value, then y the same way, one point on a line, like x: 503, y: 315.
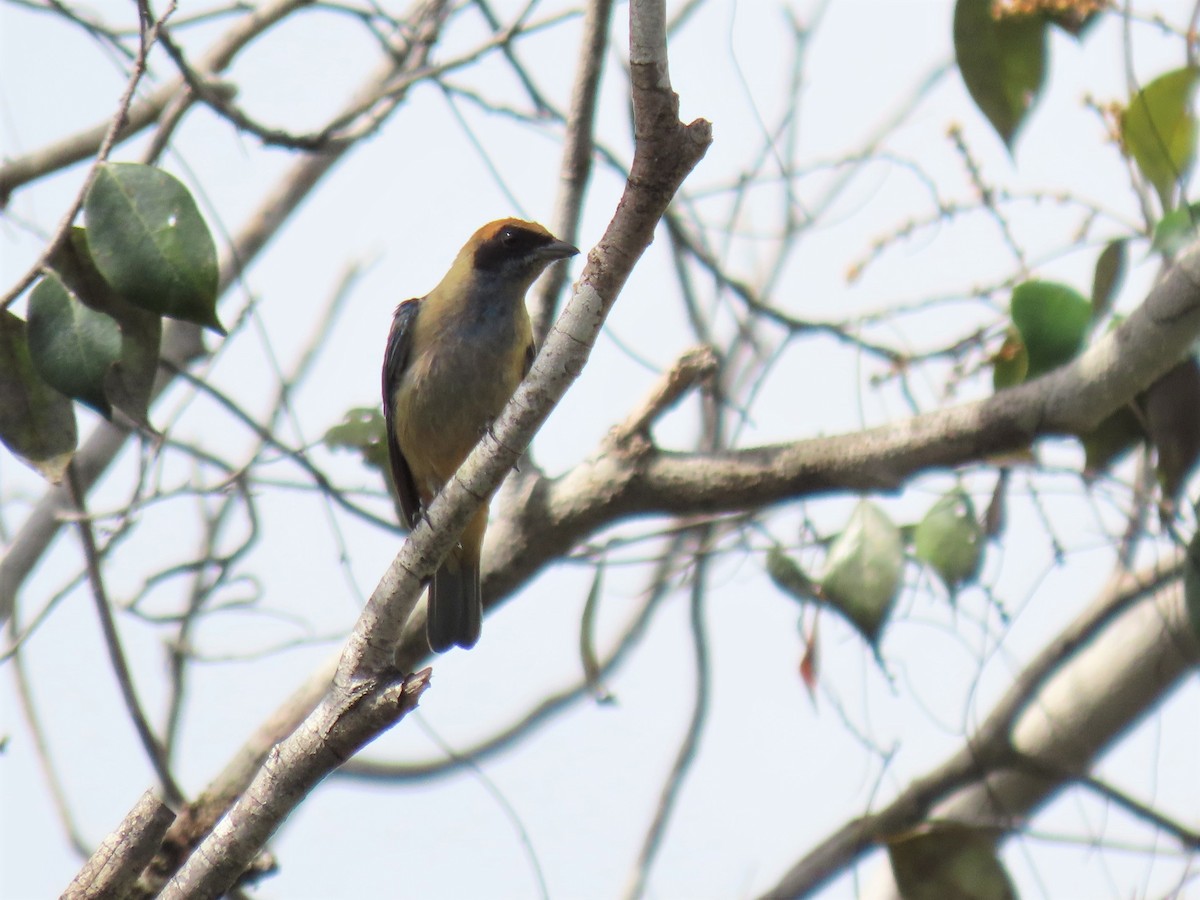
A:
x: 464, y: 371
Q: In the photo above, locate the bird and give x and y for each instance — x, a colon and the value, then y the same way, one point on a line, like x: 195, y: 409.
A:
x: 453, y: 359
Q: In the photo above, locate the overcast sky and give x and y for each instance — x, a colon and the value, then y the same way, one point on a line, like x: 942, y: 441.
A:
x: 776, y: 772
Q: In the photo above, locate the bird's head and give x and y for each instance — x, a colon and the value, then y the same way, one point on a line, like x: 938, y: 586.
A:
x: 509, y: 254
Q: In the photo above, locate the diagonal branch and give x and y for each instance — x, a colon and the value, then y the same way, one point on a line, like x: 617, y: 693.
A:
x: 666, y: 151
x: 578, y: 146
x: 618, y: 482
x: 1071, y: 710
x: 181, y: 342
x: 628, y: 478
x: 114, y: 867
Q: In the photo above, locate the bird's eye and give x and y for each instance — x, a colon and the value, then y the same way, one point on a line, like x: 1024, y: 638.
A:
x: 508, y: 237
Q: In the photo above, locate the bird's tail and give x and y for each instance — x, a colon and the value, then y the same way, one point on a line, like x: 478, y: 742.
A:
x: 455, y: 614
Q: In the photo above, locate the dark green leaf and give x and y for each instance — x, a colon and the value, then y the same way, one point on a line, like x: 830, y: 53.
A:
x: 150, y: 242
x: 1108, y: 277
x: 1002, y: 61
x: 37, y: 423
x: 1076, y: 24
x: 1159, y: 131
x: 1119, y: 433
x: 863, y: 570
x: 944, y: 860
x: 1176, y: 230
x: 950, y: 539
x: 130, y: 380
x: 1172, y: 412
x: 1053, y: 320
x: 788, y: 576
x: 995, y: 516
x: 72, y: 347
x: 1191, y: 583
x: 362, y: 429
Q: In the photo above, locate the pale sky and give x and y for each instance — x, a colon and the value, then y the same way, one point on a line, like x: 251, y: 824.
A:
x: 775, y: 772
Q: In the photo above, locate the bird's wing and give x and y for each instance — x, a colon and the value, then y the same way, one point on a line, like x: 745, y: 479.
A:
x: 395, y: 361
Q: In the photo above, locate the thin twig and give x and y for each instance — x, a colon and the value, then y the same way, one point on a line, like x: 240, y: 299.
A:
x: 1188, y: 837
x: 691, y: 741
x: 112, y: 642
x: 297, y: 456
x: 149, y: 34
x: 549, y: 707
x: 577, y: 153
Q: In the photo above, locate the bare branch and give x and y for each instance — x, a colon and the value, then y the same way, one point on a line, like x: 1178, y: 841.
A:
x: 149, y: 35
x: 290, y: 772
x: 21, y: 170
x: 181, y: 342
x: 112, y: 642
x: 691, y: 368
x: 115, y: 866
x: 636, y: 885
x: 666, y: 152
x: 578, y: 145
x: 988, y: 782
x: 550, y: 705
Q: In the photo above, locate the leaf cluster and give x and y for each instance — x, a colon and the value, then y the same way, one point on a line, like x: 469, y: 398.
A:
x: 93, y: 327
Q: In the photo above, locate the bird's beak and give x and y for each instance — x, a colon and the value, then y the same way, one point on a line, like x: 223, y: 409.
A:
x: 557, y: 250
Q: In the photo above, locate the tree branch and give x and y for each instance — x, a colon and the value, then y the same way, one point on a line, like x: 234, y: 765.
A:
x: 116, y: 864
x: 22, y: 170
x: 181, y: 341
x: 665, y: 153
x: 550, y: 516
x: 1072, y: 708
x: 578, y: 145
x: 291, y: 771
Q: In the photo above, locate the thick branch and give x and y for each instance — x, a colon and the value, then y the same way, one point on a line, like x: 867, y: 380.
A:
x: 290, y: 772
x: 619, y: 482
x: 1071, y: 710
x: 115, y: 866
x: 666, y: 152
x: 624, y: 479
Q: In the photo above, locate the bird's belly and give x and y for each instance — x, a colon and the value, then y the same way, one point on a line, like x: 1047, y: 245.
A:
x: 446, y: 401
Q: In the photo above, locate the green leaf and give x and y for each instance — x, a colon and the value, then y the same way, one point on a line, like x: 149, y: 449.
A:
x: 362, y: 429
x: 1002, y: 61
x: 950, y: 539
x: 1119, y: 433
x: 150, y: 242
x: 1011, y: 362
x: 1172, y: 412
x: 130, y: 380
x: 942, y: 860
x: 72, y: 347
x: 1053, y: 321
x: 1174, y: 231
x: 37, y: 423
x: 863, y: 570
x: 1191, y: 583
x: 1108, y: 277
x: 789, y: 577
x: 1076, y: 24
x: 1159, y: 131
